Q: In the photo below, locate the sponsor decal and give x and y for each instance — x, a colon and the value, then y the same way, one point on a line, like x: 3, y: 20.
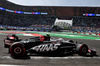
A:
x: 46, y: 47
x: 25, y: 41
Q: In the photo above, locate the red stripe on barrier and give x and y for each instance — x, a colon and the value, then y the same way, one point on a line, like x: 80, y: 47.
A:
x: 89, y: 33
x: 99, y: 34
x: 83, y: 33
x: 96, y: 34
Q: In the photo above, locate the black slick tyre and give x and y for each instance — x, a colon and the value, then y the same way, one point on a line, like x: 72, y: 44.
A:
x: 82, y: 49
x: 17, y: 50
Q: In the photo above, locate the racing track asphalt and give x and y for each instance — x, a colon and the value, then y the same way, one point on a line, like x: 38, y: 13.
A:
x: 52, y: 61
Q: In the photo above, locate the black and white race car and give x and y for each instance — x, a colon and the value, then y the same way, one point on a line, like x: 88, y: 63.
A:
x: 57, y: 47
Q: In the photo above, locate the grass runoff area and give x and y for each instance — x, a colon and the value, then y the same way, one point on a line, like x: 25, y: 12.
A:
x: 68, y: 35
x: 59, y: 34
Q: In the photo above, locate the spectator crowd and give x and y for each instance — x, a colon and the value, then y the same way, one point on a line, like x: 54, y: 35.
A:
x: 44, y: 22
x: 25, y: 20
x: 31, y: 21
x: 86, y: 24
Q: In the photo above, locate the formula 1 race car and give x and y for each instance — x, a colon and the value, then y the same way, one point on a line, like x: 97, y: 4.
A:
x: 49, y: 47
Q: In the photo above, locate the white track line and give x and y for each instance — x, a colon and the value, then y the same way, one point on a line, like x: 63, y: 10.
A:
x: 9, y: 65
x: 35, y: 57
x: 65, y: 57
x: 97, y: 39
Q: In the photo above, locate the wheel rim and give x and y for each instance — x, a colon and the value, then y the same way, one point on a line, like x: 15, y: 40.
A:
x: 84, y: 49
x: 17, y: 50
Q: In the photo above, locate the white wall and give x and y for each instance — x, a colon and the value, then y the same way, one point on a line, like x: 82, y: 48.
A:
x: 63, y: 23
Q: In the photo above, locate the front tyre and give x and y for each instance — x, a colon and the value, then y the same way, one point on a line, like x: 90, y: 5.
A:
x: 82, y: 49
x: 17, y: 50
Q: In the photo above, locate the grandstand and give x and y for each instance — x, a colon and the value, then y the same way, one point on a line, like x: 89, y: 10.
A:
x: 44, y: 16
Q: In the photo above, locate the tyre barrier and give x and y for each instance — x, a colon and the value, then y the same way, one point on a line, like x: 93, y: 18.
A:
x: 84, y: 33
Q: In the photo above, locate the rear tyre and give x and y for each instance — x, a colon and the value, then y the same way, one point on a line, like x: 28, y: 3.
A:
x: 82, y: 49
x: 17, y: 51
